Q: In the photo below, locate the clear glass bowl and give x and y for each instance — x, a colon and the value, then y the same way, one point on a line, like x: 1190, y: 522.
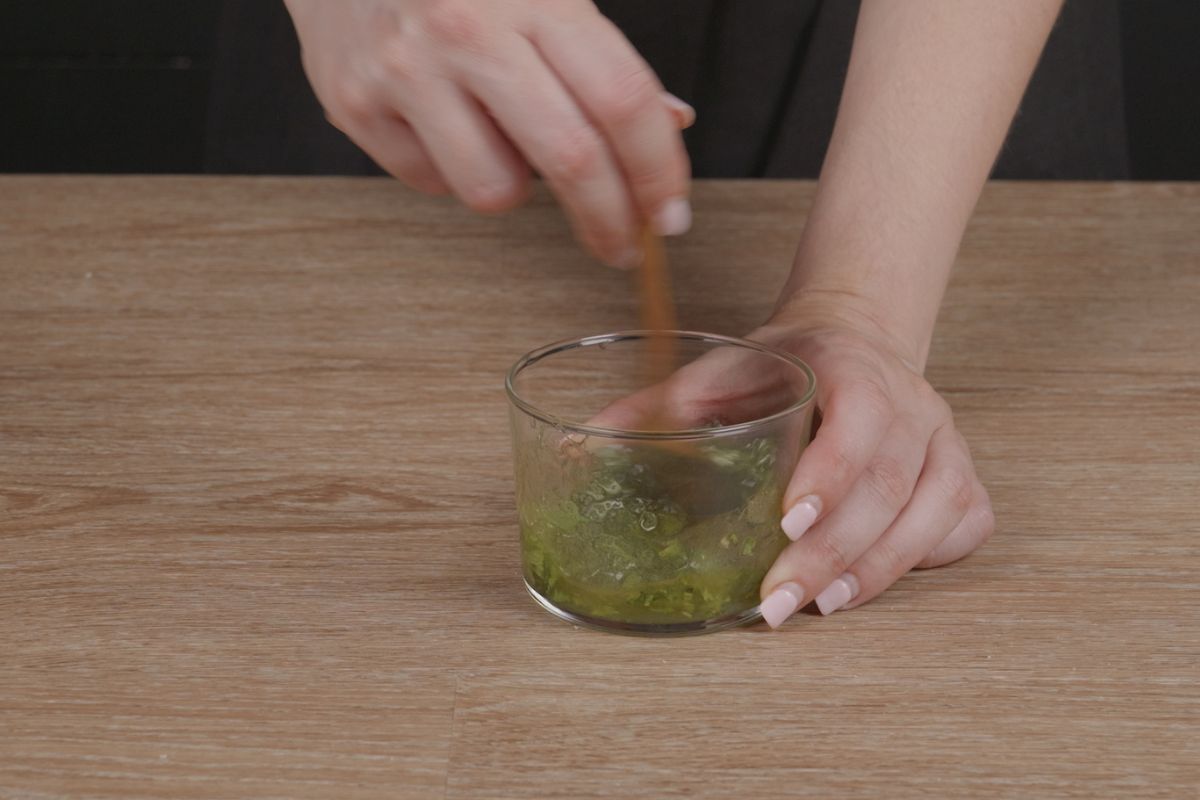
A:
x: 652, y: 506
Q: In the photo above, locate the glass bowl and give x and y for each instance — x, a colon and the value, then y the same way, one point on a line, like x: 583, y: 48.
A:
x: 651, y: 503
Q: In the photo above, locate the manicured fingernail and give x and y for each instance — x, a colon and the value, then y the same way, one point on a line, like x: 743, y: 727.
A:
x: 628, y: 259
x: 673, y: 219
x: 687, y: 114
x: 801, y: 517
x: 837, y: 594
x: 781, y: 604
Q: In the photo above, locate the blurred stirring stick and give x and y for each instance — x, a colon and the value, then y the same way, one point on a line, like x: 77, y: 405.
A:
x: 662, y: 359
x: 658, y: 309
x: 658, y: 314
x: 698, y: 481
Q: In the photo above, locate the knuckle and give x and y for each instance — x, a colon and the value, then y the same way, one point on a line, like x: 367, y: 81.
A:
x: 610, y: 246
x: 573, y: 157
x: 615, y: 252
x: 607, y: 232
x: 831, y: 553
x: 976, y: 528
x: 402, y: 167
x: 957, y: 487
x: 842, y: 462
x: 493, y: 198
x: 930, y: 561
x: 682, y: 398
x: 401, y: 60
x: 908, y: 427
x: 351, y: 102
x: 941, y: 408
x: 890, y: 560
x: 889, y: 481
x: 456, y: 23
x: 414, y: 172
x: 657, y: 177
x: 936, y: 406
x: 632, y: 93
x: 876, y: 399
x: 986, y: 520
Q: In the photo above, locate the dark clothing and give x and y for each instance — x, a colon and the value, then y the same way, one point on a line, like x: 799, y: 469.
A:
x: 765, y: 78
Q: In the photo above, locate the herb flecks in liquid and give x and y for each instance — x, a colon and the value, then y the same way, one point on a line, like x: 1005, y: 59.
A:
x: 650, y: 536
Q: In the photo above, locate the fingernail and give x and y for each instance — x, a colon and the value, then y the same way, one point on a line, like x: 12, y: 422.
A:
x: 781, y: 604
x: 628, y: 259
x: 686, y: 112
x: 800, y: 517
x: 673, y: 219
x: 837, y: 594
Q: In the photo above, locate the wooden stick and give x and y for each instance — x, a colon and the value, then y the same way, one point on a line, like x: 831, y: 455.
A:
x: 658, y: 314
x: 657, y: 308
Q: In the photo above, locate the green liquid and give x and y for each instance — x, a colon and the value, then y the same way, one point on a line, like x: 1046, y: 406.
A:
x: 647, y: 535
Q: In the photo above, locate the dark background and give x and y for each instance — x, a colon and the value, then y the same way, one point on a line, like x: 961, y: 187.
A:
x: 123, y: 85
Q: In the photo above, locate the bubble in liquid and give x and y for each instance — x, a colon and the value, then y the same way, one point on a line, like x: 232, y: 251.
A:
x: 600, y: 511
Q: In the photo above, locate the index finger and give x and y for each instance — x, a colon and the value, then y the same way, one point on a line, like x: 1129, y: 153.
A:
x: 620, y: 92
x: 856, y: 416
x: 722, y: 387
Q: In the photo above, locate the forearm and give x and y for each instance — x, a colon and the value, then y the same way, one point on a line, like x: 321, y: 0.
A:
x: 931, y: 91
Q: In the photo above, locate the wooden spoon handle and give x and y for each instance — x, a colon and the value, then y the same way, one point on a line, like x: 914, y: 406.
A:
x: 658, y: 309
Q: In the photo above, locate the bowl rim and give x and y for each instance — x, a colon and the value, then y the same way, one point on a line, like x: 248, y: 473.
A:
x: 534, y: 356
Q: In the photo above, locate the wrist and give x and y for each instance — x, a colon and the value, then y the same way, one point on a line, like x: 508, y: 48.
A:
x: 880, y: 281
x: 805, y: 310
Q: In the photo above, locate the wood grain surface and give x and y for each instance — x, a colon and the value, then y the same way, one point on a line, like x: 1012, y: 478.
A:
x: 257, y: 536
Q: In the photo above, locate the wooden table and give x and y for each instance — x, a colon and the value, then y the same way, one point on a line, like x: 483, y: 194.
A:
x: 257, y: 535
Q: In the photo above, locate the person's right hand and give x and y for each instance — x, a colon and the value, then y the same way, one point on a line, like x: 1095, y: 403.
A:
x: 464, y: 96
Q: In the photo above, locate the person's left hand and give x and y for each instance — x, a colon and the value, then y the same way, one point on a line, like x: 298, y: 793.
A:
x: 886, y: 485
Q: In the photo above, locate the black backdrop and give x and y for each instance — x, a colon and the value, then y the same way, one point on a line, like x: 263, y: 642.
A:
x: 124, y: 85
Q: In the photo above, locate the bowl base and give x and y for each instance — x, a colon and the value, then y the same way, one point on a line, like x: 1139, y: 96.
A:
x: 646, y: 629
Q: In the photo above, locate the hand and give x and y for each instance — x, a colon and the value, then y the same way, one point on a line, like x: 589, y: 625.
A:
x: 465, y: 96
x: 886, y: 485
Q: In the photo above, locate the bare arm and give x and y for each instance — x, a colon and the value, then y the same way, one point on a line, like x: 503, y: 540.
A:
x: 931, y: 91
x: 889, y: 483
